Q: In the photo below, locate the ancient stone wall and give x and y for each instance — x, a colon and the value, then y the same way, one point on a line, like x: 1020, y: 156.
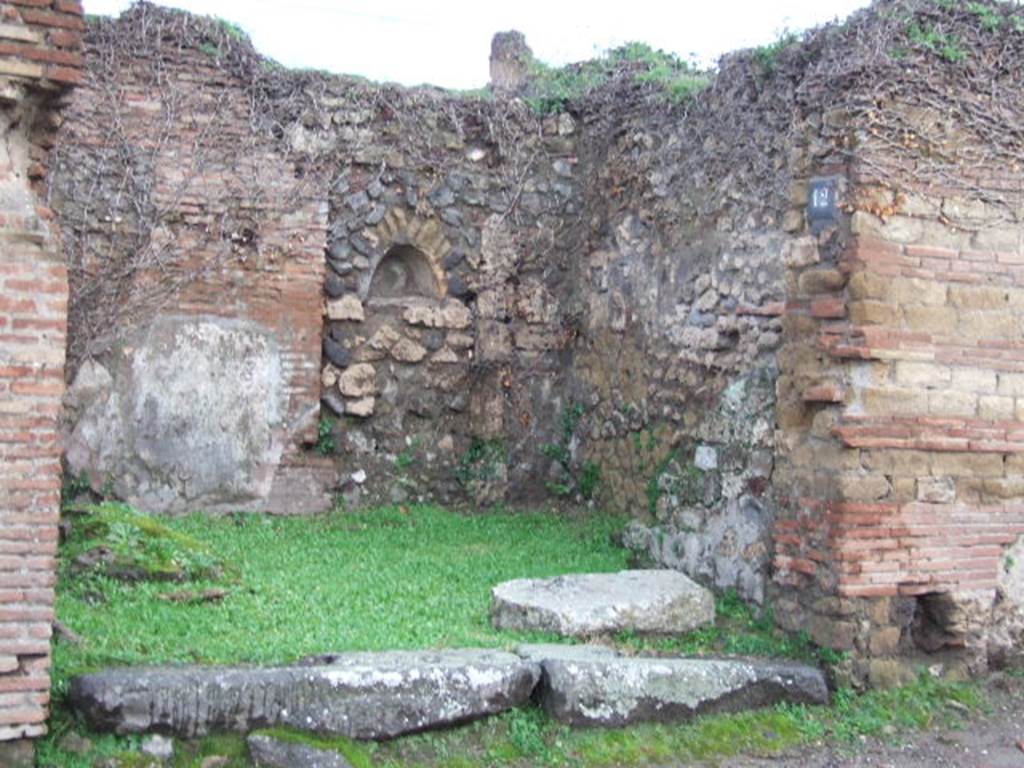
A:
x: 445, y: 310
x: 201, y: 189
x: 776, y: 322
x: 175, y: 206
x: 682, y: 291
x: 39, y: 57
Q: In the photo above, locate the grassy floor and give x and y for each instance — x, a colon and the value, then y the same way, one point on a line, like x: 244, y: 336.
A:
x: 389, y: 578
x: 413, y: 578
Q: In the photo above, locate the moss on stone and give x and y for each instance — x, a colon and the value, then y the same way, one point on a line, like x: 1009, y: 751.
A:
x: 357, y: 754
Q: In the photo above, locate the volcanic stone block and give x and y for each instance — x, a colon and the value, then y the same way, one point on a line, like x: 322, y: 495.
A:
x: 359, y: 695
x: 621, y: 691
x: 646, y: 602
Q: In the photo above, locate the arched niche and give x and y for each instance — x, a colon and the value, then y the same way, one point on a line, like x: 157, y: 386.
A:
x: 408, y: 260
x: 404, y: 272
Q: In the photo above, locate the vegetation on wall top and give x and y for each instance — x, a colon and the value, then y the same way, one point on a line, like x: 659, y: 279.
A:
x: 551, y: 89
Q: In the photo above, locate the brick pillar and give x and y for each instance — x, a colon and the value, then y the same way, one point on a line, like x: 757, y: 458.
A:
x: 902, y: 433
x: 39, y: 58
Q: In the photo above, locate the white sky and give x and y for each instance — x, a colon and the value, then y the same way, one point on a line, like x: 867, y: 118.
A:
x: 447, y: 42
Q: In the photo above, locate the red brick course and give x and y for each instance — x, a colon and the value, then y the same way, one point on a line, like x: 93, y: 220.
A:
x: 40, y: 49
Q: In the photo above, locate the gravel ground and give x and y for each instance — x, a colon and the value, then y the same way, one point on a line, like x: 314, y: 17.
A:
x: 992, y: 740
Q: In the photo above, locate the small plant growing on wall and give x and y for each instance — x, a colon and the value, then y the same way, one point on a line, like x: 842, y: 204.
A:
x: 482, y: 462
x: 325, y: 442
x: 482, y: 470
x: 410, y: 456
x: 679, y: 480
x: 580, y: 479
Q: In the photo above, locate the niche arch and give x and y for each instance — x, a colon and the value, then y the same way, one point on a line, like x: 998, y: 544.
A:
x: 403, y: 272
x: 408, y: 262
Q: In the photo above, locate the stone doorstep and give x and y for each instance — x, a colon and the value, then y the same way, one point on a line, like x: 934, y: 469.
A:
x: 358, y: 695
x: 595, y: 690
x: 388, y: 694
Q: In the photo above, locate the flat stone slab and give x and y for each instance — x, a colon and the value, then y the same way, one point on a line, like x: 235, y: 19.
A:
x: 541, y: 652
x: 625, y: 690
x: 269, y: 752
x: 647, y: 602
x: 359, y: 695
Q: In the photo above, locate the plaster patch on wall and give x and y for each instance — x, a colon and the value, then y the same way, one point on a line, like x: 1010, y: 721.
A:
x: 190, y: 419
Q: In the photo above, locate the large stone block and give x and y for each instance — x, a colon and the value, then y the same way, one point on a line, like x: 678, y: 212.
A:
x: 931, y: 319
x: 870, y: 312
x: 623, y: 691
x: 651, y: 602
x: 359, y: 695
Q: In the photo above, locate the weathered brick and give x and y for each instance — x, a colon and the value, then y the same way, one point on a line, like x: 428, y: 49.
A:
x: 63, y: 38
x: 33, y: 303
x: 910, y: 373
x: 828, y: 308
x: 871, y: 312
x: 44, y: 55
x: 824, y: 393
x: 940, y: 320
x: 51, y: 19
x: 967, y: 464
x: 996, y: 408
x: 894, y: 401
x: 66, y: 75
x: 69, y: 6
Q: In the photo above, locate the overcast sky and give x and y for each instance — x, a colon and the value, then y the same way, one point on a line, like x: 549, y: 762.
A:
x: 447, y: 42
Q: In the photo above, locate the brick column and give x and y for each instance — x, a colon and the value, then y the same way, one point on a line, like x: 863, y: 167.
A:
x: 39, y: 59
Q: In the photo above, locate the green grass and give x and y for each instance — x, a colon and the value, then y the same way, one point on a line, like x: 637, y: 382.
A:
x: 739, y: 630
x: 141, y: 546
x: 527, y: 737
x: 325, y: 443
x: 388, y: 578
x: 932, y: 39
x: 415, y: 578
x: 767, y: 56
x: 357, y: 754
